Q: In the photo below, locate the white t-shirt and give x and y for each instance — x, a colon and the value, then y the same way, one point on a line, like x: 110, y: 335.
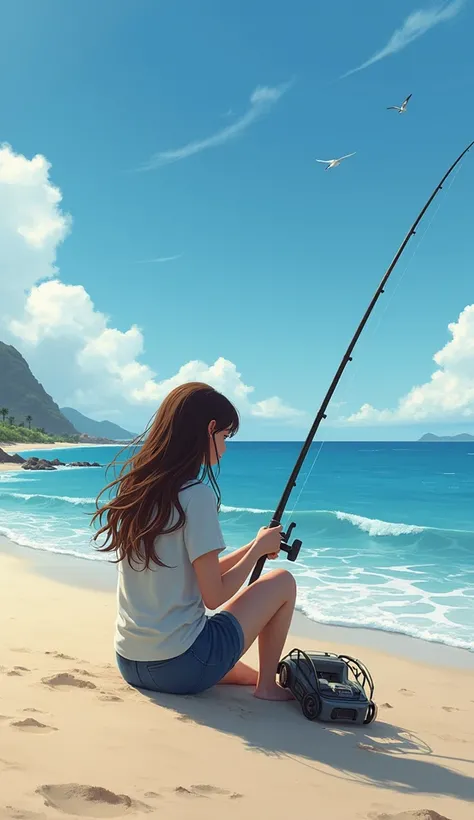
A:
x: 160, y: 610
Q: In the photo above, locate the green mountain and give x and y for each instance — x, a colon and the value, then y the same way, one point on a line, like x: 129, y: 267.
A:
x: 102, y: 429
x: 460, y: 437
x: 22, y: 395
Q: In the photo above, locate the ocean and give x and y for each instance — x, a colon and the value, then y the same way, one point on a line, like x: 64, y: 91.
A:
x: 387, y: 528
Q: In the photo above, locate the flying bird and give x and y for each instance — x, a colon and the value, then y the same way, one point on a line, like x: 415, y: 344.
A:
x: 331, y: 163
x: 400, y: 108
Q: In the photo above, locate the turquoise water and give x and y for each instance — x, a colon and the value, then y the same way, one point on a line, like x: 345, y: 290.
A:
x: 387, y: 529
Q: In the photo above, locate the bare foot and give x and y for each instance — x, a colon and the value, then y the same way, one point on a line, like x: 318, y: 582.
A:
x: 274, y: 692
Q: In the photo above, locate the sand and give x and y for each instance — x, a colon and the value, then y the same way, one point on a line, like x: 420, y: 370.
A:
x: 58, y: 445
x: 76, y: 740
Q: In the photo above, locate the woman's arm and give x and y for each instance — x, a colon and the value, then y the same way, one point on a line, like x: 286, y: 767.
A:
x: 217, y: 587
x: 230, y: 560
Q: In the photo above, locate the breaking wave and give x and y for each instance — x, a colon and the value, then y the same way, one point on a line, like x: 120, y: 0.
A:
x: 77, y: 502
x: 374, y: 527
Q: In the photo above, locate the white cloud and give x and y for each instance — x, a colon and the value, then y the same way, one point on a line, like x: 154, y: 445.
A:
x: 160, y: 259
x: 31, y: 226
x: 71, y: 346
x: 448, y: 395
x: 261, y: 100
x: 275, y: 409
x: 415, y: 25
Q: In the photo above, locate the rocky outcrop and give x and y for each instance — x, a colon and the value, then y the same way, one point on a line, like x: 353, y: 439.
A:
x: 6, y: 458
x: 35, y: 463
x: 83, y: 464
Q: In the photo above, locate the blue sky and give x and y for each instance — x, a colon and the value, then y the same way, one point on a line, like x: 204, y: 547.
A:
x: 271, y: 260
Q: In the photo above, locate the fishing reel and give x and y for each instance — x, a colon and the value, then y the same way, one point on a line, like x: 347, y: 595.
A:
x: 293, y: 549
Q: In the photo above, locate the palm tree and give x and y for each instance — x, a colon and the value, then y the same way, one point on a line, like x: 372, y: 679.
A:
x: 3, y: 413
x: 11, y: 420
x: 29, y: 419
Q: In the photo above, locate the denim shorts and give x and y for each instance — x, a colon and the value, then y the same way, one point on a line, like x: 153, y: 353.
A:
x: 215, y: 651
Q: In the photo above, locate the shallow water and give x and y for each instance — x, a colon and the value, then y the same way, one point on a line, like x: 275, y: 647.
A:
x: 387, y: 529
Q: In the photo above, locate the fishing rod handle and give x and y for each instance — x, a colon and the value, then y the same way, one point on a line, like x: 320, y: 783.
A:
x: 257, y: 570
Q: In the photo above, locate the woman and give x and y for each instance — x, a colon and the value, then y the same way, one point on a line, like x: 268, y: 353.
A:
x: 162, y: 524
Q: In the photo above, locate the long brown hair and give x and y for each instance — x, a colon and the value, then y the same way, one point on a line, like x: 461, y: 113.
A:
x: 174, y: 452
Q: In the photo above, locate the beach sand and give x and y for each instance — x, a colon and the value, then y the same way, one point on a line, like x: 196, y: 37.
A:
x: 76, y: 740
x: 58, y: 445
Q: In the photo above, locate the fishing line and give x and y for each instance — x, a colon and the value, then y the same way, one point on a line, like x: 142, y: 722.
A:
x: 293, y: 549
x: 404, y: 272
x: 355, y: 370
x: 308, y: 475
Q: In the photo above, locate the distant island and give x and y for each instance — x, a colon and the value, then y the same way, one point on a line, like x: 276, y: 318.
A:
x: 460, y: 437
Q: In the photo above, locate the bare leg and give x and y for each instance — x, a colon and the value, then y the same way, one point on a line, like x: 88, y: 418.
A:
x: 264, y: 610
x: 241, y: 675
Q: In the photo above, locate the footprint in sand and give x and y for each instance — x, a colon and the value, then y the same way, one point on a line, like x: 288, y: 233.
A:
x: 65, y: 680
x: 32, y: 725
x: 386, y: 706
x: 84, y: 672
x: 406, y: 692
x: 420, y: 814
x: 17, y: 671
x: 89, y: 801
x: 110, y: 698
x: 450, y: 708
x: 32, y: 709
x: 61, y: 656
x: 205, y: 790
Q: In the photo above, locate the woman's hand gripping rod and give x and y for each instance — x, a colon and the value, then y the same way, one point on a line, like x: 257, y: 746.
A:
x: 291, y: 550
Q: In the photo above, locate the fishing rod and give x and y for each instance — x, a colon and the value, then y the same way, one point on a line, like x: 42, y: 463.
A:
x: 293, y: 549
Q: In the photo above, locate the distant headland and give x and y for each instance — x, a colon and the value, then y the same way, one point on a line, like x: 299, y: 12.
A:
x: 459, y: 437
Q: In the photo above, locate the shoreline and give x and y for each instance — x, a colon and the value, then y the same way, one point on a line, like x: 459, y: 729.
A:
x: 79, y: 741
x: 56, y: 445
x: 68, y: 719
x: 24, y: 446
x: 99, y: 576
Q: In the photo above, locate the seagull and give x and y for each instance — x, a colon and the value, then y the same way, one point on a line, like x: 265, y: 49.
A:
x: 402, y: 108
x: 331, y: 163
